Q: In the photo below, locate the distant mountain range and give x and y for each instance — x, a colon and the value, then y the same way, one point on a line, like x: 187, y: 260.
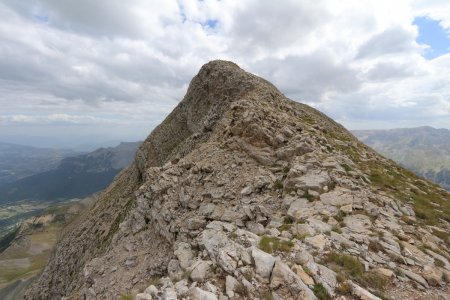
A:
x: 423, y: 150
x: 17, y: 161
x: 74, y: 177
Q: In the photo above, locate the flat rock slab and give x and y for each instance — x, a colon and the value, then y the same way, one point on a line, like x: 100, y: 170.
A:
x: 357, y: 223
x: 337, y: 197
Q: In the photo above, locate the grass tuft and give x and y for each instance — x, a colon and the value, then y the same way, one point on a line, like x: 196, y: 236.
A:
x: 272, y: 244
x: 126, y: 297
x: 320, y: 292
x: 278, y: 185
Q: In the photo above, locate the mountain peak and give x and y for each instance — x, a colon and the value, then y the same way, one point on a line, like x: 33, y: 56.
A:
x: 210, y: 94
x: 241, y: 191
x: 219, y: 65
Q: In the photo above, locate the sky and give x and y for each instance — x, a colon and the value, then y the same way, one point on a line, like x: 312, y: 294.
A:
x: 74, y: 72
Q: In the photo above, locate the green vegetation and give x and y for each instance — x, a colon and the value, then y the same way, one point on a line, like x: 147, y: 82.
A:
x: 267, y: 295
x: 20, y: 264
x: 115, y: 226
x: 187, y: 274
x: 439, y: 263
x: 336, y: 228
x: 7, y: 239
x: 407, y: 187
x: 241, y: 289
x: 349, y: 267
x: 345, y: 263
x: 309, y: 197
x: 306, y: 118
x: 278, y: 184
x: 340, y: 216
x: 443, y: 235
x: 373, y: 280
x: 375, y: 246
x: 287, y: 224
x: 284, y: 227
x: 320, y: 292
x: 346, y: 167
x: 272, y: 244
x: 126, y: 297
x: 344, y: 289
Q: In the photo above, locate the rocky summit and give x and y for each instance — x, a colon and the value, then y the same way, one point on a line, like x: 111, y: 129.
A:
x: 242, y: 193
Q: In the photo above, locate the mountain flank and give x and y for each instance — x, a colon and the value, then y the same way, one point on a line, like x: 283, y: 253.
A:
x: 24, y: 252
x: 17, y: 161
x: 75, y: 177
x: 242, y: 193
x: 423, y: 150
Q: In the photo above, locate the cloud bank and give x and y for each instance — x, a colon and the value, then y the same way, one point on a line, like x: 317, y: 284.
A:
x: 128, y: 63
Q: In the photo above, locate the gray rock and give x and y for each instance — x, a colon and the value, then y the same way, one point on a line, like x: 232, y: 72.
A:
x: 169, y: 294
x: 302, y: 230
x: 319, y: 241
x: 318, y: 225
x: 315, y: 181
x: 230, y: 285
x: 296, y: 207
x: 247, y: 190
x: 181, y: 288
x: 174, y: 270
x: 254, y: 227
x: 433, y: 275
x: 439, y: 257
x: 327, y: 277
x: 264, y: 262
x: 220, y: 248
x: 143, y: 296
x: 362, y: 293
x: 195, y: 223
x: 199, y: 270
x: 357, y: 223
x: 151, y: 290
x: 416, y: 277
x: 337, y: 197
x: 287, y: 285
x: 184, y: 254
x: 199, y: 294
x: 302, y: 257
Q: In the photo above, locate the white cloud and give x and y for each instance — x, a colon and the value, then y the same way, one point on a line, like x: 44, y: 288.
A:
x: 130, y: 62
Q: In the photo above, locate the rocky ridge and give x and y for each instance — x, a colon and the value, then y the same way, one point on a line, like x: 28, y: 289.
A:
x: 242, y: 193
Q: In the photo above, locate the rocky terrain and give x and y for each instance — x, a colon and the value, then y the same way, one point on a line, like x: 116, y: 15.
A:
x: 242, y: 193
x: 423, y: 150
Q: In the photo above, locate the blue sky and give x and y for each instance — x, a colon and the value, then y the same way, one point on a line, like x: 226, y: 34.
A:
x: 433, y: 35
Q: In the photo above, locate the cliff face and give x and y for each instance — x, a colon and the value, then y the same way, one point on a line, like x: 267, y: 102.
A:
x: 244, y: 193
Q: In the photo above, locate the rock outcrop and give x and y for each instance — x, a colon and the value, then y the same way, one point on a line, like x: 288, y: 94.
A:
x: 242, y: 193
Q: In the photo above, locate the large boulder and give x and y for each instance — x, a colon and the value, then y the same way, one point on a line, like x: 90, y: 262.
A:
x: 264, y: 262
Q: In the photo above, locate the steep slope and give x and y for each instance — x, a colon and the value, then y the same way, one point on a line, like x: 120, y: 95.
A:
x: 17, y: 161
x: 24, y: 253
x: 75, y: 177
x: 423, y: 150
x: 245, y: 193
